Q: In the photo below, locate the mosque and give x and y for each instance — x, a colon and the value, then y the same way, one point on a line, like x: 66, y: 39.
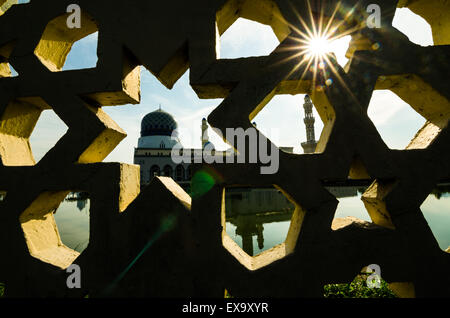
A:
x: 246, y: 208
x: 159, y: 135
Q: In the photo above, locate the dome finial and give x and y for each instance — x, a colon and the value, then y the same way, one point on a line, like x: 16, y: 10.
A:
x: 159, y: 107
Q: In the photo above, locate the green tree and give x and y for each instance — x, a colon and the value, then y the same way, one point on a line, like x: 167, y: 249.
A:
x: 358, y: 289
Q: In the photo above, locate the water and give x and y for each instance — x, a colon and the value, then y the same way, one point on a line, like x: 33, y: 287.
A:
x: 436, y: 212
x: 72, y: 219
x: 255, y: 226
x: 273, y: 234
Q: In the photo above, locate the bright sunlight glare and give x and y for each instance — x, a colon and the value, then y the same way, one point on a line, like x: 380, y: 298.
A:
x: 321, y: 42
x: 319, y: 46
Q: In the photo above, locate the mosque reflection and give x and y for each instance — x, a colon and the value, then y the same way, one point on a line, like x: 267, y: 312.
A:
x: 259, y: 218
x: 81, y: 199
x: 252, y: 214
x: 442, y: 190
x: 248, y: 210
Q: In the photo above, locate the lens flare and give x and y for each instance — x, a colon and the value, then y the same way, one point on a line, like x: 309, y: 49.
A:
x: 316, y: 42
x: 318, y: 47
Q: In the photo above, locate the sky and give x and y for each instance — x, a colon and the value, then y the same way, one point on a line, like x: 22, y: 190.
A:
x: 282, y: 117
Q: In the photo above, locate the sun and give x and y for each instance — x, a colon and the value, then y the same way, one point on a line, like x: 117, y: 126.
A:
x: 318, y: 47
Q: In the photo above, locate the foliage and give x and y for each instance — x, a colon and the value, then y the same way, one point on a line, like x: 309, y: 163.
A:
x: 358, y: 289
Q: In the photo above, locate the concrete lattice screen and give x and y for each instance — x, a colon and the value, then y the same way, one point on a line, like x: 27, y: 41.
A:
x: 186, y: 251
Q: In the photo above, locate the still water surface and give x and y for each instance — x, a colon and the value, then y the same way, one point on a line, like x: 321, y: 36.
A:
x: 259, y: 233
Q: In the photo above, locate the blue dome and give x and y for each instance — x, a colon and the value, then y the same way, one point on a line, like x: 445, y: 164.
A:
x: 158, y: 123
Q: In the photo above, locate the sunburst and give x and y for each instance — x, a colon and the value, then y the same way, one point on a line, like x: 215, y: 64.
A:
x: 314, y: 49
x: 318, y: 47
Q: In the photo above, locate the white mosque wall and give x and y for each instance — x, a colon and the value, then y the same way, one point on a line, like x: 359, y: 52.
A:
x: 166, y: 142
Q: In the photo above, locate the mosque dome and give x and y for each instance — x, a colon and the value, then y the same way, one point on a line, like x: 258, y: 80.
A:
x: 158, y: 130
x: 158, y: 123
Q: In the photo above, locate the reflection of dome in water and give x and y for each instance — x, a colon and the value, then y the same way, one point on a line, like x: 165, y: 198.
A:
x: 158, y: 123
x: 158, y: 130
x: 81, y: 204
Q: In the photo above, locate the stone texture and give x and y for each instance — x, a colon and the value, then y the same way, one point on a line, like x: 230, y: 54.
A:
x: 184, y: 249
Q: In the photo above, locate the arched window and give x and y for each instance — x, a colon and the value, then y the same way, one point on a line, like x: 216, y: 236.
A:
x: 154, y: 171
x: 168, y: 171
x: 179, y: 173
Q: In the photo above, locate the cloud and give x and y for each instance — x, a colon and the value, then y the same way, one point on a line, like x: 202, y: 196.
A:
x: 48, y: 130
x: 247, y: 38
x: 190, y: 131
x: 396, y: 121
x: 199, y: 114
x: 383, y: 106
x: 413, y: 26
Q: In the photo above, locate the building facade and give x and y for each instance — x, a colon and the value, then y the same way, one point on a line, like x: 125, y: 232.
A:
x: 153, y: 154
x: 159, y: 135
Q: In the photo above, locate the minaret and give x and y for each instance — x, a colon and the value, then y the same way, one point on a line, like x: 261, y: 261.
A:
x: 204, y: 137
x: 310, y: 145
